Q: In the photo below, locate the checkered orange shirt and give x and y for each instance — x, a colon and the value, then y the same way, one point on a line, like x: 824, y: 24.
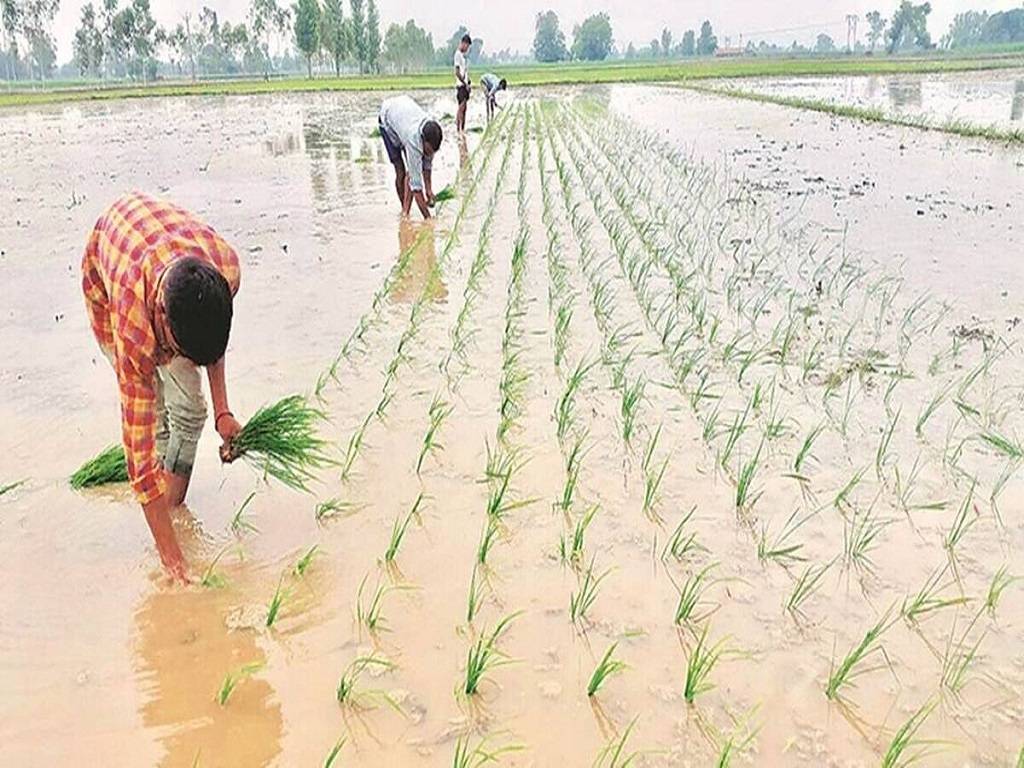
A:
x: 132, y: 244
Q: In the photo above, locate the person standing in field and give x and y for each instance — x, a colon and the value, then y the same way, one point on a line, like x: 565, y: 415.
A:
x: 462, y: 82
x: 492, y: 84
x: 411, y: 137
x: 159, y: 288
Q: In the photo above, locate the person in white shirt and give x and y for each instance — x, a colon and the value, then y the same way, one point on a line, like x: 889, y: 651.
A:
x: 411, y: 137
x: 462, y: 82
x: 492, y: 84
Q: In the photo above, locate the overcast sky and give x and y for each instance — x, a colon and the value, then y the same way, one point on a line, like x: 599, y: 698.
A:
x: 510, y: 25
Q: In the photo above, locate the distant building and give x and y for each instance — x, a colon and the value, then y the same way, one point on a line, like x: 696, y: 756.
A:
x: 728, y: 52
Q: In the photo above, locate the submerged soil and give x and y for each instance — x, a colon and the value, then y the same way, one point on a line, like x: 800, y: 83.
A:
x: 817, y: 272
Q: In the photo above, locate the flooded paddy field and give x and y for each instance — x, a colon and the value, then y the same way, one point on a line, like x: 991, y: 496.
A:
x: 994, y: 99
x: 728, y: 393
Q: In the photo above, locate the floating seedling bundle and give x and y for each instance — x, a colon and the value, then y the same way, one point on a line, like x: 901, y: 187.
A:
x: 108, y: 467
x: 445, y: 194
x: 281, y: 440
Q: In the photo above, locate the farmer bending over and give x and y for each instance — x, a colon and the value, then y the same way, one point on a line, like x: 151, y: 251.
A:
x: 411, y: 137
x: 159, y: 286
x: 462, y: 82
x: 492, y: 85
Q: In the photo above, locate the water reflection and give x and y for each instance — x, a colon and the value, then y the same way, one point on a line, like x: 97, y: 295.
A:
x: 280, y: 146
x: 905, y: 93
x: 182, y: 652
x: 1017, y: 107
x: 422, y: 275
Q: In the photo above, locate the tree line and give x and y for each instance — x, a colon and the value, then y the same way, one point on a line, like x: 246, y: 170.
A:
x: 120, y: 39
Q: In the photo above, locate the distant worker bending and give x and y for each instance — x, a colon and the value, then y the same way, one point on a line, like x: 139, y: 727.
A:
x: 411, y: 137
x: 492, y: 84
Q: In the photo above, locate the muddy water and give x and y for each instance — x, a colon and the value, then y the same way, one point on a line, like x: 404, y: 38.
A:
x: 981, y: 98
x: 101, y: 658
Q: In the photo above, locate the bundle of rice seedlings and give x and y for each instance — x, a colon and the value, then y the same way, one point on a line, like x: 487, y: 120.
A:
x: 108, y: 467
x: 282, y: 441
x: 445, y: 194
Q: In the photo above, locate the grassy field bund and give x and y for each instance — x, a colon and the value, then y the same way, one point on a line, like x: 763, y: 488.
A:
x: 519, y: 76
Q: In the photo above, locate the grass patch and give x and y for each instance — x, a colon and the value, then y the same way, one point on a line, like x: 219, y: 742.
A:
x: 108, y: 467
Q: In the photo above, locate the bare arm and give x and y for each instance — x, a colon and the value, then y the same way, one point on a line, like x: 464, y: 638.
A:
x: 427, y: 185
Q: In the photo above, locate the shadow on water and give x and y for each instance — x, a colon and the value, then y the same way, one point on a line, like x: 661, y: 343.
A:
x: 905, y: 94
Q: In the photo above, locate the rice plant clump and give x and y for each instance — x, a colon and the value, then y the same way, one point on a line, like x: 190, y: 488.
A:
x: 607, y: 667
x: 109, y: 466
x: 484, y: 655
x: 232, y: 679
x: 281, y: 440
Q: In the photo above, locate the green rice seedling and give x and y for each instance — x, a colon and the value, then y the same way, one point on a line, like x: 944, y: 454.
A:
x: 882, y: 452
x: 1000, y: 483
x: 110, y: 466
x: 736, y: 430
x: 281, y: 440
x: 488, y: 537
x: 906, y: 749
x: 853, y: 664
x: 211, y: 579
x: 565, y: 409
x: 398, y: 530
x: 346, y: 692
x: 582, y: 600
x: 331, y: 508
x: 691, y: 594
x: 484, y: 655
x: 274, y: 609
x: 1020, y: 758
x: 710, y: 429
x: 474, y: 757
x: 929, y: 599
x: 703, y: 391
x: 371, y: 614
x: 805, y: 453
x: 5, y: 489
x: 1000, y: 581
x: 962, y: 523
x: 335, y: 751
x: 445, y: 194
x: 782, y: 549
x: 806, y: 585
x: 563, y: 320
x: 860, y: 537
x: 680, y: 544
x: 605, y: 668
x: 475, y: 596
x: 1010, y: 448
x: 232, y: 680
x: 746, y: 498
x: 700, y: 664
x: 573, y: 467
x: 632, y: 396
x: 239, y: 523
x: 571, y: 549
x: 930, y: 408
x: 303, y: 563
x: 842, y: 499
x: 355, y: 445
x: 439, y: 411
x: 957, y: 662
x: 614, y: 755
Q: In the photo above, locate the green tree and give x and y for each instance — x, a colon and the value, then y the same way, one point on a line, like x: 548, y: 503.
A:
x: 666, y: 41
x: 592, y: 40
x: 334, y: 33
x: 548, y: 39
x: 372, y: 37
x: 407, y: 48
x: 307, y: 30
x: 909, y: 26
x: 1004, y: 27
x: 36, y: 20
x: 266, y: 19
x: 10, y: 25
x: 689, y: 45
x: 824, y: 44
x: 966, y: 30
x: 876, y: 28
x: 707, y: 43
x: 88, y: 43
x: 357, y: 25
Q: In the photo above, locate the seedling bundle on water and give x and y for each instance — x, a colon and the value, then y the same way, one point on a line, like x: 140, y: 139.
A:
x: 108, y: 467
x: 281, y: 439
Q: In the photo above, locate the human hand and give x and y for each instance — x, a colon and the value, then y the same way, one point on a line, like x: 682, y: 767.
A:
x: 228, y: 428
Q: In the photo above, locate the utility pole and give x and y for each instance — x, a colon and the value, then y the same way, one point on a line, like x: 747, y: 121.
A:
x: 851, y: 31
